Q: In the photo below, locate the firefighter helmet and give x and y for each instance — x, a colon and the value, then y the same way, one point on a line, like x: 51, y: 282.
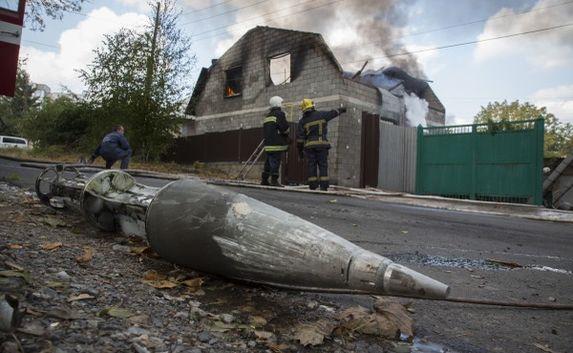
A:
x: 306, y: 104
x: 276, y: 102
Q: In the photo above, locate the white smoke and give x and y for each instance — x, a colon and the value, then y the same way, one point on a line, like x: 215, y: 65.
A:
x: 416, y: 110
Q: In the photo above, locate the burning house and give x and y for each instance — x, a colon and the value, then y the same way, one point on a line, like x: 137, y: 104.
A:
x: 231, y: 98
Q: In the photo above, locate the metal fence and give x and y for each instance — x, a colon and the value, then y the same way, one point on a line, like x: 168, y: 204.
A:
x: 489, y: 162
x: 397, y: 158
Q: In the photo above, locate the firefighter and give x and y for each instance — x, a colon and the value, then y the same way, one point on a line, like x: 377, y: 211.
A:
x: 311, y: 138
x: 275, y: 129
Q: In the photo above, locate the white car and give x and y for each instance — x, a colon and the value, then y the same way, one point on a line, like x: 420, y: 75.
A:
x: 13, y: 142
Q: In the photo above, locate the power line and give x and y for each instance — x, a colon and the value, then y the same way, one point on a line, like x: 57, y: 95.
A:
x: 483, y: 20
x: 207, y: 7
x: 262, y: 16
x: 225, y: 13
x: 40, y: 43
x: 447, y: 46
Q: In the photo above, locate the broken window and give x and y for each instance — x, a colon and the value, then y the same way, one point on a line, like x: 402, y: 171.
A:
x: 279, y: 68
x: 233, y: 84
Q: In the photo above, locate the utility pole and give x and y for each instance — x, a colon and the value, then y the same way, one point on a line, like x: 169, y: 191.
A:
x: 149, y: 77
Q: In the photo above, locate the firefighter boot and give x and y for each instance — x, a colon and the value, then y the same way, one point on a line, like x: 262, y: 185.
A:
x: 265, y: 179
x: 275, y: 181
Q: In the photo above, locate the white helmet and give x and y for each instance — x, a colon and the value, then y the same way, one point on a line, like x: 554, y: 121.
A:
x: 276, y: 102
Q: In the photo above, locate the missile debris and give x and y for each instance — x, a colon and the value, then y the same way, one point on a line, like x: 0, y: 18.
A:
x: 218, y: 231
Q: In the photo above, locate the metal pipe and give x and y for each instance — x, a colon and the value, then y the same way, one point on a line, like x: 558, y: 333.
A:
x: 218, y: 231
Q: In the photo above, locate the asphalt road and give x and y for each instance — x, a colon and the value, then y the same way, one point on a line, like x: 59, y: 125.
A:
x: 452, y: 247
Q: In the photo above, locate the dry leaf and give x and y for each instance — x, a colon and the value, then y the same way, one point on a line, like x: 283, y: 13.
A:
x: 194, y: 284
x: 21, y: 274
x: 117, y: 312
x: 138, y: 250
x: 82, y: 296
x: 544, y: 347
x: 57, y: 284
x: 51, y: 246
x: 313, y: 333
x: 87, y: 255
x: 264, y: 335
x: 63, y: 313
x: 220, y: 326
x: 152, y: 275
x: 162, y: 284
x: 54, y: 222
x: 14, y: 266
x: 257, y: 321
x: 509, y: 264
x: 389, y: 320
x: 15, y: 246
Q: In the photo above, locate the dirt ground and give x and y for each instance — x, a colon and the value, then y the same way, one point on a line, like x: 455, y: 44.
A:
x: 82, y: 290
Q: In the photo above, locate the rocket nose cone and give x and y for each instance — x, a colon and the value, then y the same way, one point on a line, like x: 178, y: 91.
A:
x: 400, y: 280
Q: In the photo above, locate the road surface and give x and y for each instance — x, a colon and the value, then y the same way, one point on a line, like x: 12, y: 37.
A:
x: 453, y: 247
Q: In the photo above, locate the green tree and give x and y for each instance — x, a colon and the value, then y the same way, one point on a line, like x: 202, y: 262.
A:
x: 14, y: 109
x: 36, y: 10
x: 558, y: 136
x: 138, y: 79
x: 63, y: 121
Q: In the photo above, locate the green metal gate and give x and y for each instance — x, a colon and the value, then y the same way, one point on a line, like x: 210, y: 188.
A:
x: 489, y: 162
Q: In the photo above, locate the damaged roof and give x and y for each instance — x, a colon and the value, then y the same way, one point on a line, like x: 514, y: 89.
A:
x: 312, y: 40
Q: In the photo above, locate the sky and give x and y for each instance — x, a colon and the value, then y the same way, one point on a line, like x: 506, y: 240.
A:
x: 536, y: 67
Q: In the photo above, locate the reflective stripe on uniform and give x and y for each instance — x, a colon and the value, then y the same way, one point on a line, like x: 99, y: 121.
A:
x: 278, y: 148
x: 318, y: 142
x: 307, y: 126
x: 323, y: 178
x: 312, y: 178
x: 270, y: 119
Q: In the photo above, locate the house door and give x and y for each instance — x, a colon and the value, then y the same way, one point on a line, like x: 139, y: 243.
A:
x: 369, y: 150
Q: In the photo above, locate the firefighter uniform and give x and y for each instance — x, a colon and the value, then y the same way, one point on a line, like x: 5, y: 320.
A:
x: 311, y: 138
x: 275, y: 129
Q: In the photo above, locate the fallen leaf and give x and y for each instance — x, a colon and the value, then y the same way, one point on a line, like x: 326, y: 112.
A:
x: 194, y: 284
x: 152, y: 275
x: 509, y: 264
x: 333, y: 201
x: 257, y: 321
x: 389, y: 320
x: 57, y: 284
x: 264, y: 335
x: 63, y: 313
x: 82, y: 296
x: 14, y: 266
x: 397, y: 314
x: 21, y: 274
x: 86, y: 256
x: 15, y: 246
x: 277, y: 348
x: 404, y: 231
x: 117, y: 312
x: 313, y: 333
x: 162, y: 284
x: 220, y: 326
x: 54, y: 222
x: 33, y: 328
x: 139, y: 319
x: 138, y: 250
x: 51, y: 246
x: 544, y: 347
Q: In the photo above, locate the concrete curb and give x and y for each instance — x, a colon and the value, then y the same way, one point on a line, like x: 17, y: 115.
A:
x: 471, y: 206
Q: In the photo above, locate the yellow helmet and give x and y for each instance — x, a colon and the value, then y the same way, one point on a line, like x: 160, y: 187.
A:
x: 306, y: 104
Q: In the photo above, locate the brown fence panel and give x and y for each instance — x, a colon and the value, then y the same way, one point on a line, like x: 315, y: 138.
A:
x: 227, y: 146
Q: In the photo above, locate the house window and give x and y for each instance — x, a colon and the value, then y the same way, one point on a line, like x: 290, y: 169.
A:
x: 234, y: 82
x: 279, y: 68
x: 10, y: 5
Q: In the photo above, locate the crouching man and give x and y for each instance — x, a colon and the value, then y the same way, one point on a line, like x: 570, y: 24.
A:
x: 114, y: 147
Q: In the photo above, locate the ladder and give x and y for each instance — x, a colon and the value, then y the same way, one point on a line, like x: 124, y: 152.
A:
x: 250, y: 163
